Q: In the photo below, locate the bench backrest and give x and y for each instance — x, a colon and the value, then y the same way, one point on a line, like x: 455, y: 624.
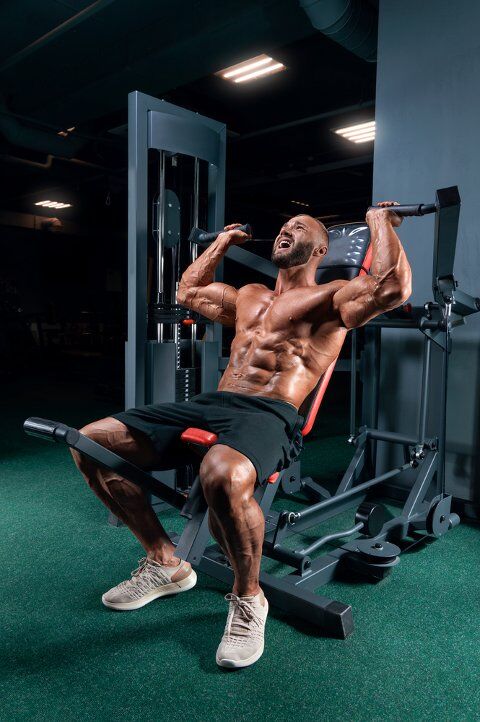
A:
x: 349, y: 255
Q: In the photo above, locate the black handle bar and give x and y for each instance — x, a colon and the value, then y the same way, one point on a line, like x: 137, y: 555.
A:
x: 199, y: 236
x: 418, y: 209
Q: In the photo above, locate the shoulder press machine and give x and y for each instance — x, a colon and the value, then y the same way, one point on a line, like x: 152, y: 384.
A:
x: 376, y: 537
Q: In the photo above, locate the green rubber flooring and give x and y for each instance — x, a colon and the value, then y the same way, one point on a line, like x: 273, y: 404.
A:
x: 414, y: 655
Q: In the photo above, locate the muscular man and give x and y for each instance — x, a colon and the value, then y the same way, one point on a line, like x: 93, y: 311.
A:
x: 284, y: 340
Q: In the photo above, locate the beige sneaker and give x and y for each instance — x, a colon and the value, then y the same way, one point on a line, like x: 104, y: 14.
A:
x: 243, y: 639
x: 148, y: 582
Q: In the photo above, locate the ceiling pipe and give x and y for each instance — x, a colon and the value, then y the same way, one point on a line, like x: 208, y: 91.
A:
x: 6, y: 158
x: 351, y: 23
x: 307, y: 119
x: 55, y: 33
x: 42, y: 141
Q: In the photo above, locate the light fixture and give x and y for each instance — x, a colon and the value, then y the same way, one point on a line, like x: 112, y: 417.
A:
x: 251, y: 69
x: 328, y: 217
x: 64, y: 133
x: 359, y: 133
x: 53, y: 204
x: 301, y: 203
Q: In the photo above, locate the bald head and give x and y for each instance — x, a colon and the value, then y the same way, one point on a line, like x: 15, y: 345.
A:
x: 300, y: 238
x: 323, y: 230
x: 314, y: 224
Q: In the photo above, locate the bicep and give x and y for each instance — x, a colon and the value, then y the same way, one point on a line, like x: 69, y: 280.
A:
x: 216, y: 301
x: 363, y: 298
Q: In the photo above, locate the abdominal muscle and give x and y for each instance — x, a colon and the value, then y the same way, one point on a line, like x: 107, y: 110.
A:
x: 283, y: 374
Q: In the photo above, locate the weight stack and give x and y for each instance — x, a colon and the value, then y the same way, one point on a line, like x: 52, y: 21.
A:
x: 185, y: 384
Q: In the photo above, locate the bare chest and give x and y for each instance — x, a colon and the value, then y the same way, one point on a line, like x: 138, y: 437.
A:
x: 262, y: 311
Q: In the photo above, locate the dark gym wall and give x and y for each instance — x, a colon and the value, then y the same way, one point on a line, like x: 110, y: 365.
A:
x: 427, y: 111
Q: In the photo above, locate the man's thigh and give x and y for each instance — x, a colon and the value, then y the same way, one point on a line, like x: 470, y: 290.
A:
x: 162, y: 425
x: 129, y: 443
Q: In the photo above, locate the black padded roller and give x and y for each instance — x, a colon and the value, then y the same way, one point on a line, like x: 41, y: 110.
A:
x: 46, y: 429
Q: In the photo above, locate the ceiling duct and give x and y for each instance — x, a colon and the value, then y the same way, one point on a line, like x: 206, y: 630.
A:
x: 43, y: 141
x: 351, y: 23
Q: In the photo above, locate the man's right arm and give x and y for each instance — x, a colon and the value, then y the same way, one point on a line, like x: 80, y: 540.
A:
x: 197, y: 289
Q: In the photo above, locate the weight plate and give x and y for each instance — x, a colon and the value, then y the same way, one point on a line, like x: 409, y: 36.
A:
x: 373, y: 516
x: 376, y: 551
x: 438, y: 520
x: 385, y: 565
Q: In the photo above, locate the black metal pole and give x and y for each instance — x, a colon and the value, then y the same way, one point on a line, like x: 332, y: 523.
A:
x: 442, y: 438
x: 296, y: 516
x: 331, y: 537
x: 353, y: 385
x: 422, y: 424
x: 193, y: 246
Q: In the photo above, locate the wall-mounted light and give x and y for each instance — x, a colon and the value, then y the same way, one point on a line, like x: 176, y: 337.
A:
x: 359, y: 133
x: 251, y: 69
x: 53, y: 204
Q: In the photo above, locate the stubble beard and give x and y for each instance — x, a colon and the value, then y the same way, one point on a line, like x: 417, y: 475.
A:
x: 298, y: 257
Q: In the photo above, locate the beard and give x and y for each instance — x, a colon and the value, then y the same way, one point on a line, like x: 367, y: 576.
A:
x: 298, y: 256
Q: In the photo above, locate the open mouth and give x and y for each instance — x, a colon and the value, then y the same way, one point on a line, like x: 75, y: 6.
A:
x: 283, y: 244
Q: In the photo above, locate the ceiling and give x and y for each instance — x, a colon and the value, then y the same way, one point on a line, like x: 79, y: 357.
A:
x: 67, y: 63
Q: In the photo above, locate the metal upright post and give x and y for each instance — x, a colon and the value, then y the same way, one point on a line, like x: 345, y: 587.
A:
x: 353, y: 386
x: 194, y: 246
x: 153, y: 366
x: 216, y: 213
x: 160, y: 237
x: 370, y: 369
x: 137, y: 249
x: 422, y: 422
x: 442, y: 437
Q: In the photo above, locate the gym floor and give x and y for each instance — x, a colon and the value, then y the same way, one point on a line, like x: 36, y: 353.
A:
x: 415, y: 652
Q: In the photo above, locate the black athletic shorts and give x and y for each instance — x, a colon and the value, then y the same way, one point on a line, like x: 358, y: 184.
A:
x: 266, y: 431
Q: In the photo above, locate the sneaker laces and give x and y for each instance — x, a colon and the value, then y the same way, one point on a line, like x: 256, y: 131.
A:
x: 147, y: 573
x: 240, y: 618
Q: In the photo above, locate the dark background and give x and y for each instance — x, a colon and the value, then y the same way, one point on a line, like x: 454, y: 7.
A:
x: 65, y: 64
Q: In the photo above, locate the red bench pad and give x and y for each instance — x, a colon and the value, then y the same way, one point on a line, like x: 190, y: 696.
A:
x: 199, y: 436
x: 208, y: 438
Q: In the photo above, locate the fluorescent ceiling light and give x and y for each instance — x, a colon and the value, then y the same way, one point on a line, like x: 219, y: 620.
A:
x: 53, y: 204
x: 251, y: 69
x: 365, y: 134
x: 359, y: 133
x: 364, y: 139
x: 246, y: 68
x: 264, y: 71
x: 358, y: 126
x: 301, y: 203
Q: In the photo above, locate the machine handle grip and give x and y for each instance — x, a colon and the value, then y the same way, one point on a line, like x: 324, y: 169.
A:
x: 418, y: 209
x: 199, y: 236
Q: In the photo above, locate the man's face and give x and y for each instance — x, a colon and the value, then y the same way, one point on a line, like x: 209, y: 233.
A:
x: 296, y: 242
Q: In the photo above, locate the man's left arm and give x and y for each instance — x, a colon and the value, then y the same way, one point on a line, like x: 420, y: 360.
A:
x: 390, y: 279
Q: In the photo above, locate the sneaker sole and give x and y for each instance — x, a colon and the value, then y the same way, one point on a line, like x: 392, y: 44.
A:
x: 163, y: 591
x: 239, y: 663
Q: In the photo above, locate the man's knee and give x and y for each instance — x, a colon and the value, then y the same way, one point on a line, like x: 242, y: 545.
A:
x: 227, y: 477
x: 108, y: 432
